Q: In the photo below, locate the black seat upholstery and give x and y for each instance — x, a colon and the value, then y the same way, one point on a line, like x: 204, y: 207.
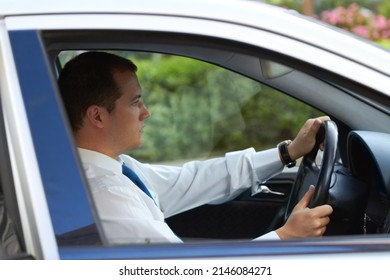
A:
x: 9, y: 242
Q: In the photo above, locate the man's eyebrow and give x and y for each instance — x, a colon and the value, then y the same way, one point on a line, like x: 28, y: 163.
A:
x: 136, y: 97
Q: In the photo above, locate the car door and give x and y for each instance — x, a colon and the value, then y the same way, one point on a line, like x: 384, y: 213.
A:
x: 53, y: 201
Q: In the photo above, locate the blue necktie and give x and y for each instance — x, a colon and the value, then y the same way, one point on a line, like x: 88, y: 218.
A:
x: 136, y: 180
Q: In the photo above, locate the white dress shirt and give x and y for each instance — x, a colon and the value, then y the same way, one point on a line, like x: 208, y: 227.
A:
x: 128, y: 215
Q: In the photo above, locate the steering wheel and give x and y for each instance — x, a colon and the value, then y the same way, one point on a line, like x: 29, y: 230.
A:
x: 309, y: 173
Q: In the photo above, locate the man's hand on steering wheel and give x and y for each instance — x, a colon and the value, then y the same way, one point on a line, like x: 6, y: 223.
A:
x: 306, y: 222
x: 306, y: 138
x: 307, y: 215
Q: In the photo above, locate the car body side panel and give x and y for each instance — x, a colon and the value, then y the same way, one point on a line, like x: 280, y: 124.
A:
x: 319, y: 248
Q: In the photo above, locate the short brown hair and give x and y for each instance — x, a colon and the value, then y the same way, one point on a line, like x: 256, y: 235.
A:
x: 88, y: 80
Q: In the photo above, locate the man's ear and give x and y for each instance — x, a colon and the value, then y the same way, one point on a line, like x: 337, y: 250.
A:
x: 94, y: 114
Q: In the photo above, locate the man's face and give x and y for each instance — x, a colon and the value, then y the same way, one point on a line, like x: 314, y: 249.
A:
x: 127, y: 119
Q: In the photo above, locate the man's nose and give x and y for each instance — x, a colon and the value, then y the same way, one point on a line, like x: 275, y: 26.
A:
x: 145, y: 112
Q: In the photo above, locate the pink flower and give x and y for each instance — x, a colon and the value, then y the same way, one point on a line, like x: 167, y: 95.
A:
x: 359, y: 21
x: 362, y: 31
x: 380, y: 22
x: 354, y: 7
x: 331, y: 17
x: 386, y: 34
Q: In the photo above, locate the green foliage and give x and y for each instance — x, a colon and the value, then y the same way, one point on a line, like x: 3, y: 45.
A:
x: 174, y: 94
x: 290, y: 4
x: 384, y: 8
x: 322, y: 5
x: 384, y: 43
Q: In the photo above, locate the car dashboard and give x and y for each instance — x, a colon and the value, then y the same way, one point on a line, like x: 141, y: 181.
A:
x: 369, y: 162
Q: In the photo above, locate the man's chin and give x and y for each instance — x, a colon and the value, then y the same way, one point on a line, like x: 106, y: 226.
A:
x: 135, y: 147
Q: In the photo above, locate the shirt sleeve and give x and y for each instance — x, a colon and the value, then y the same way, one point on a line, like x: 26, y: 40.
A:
x: 210, y: 181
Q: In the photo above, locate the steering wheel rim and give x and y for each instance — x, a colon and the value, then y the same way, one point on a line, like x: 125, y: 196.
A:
x: 309, y: 173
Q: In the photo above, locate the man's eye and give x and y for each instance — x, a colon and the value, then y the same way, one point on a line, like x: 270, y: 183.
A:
x: 135, y: 103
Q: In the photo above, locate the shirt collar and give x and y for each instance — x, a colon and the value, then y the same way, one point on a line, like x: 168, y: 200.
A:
x: 101, y: 160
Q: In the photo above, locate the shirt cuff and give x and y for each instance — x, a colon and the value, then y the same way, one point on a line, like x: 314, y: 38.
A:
x: 267, y: 164
x: 272, y: 235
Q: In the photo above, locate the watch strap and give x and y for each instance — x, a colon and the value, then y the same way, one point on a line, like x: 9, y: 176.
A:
x: 283, y: 150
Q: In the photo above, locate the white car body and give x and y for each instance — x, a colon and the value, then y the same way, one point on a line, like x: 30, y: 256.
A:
x: 247, y: 22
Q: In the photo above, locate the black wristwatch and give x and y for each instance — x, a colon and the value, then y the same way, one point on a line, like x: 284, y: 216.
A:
x: 283, y: 150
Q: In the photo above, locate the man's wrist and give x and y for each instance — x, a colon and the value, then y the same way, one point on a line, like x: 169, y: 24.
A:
x: 281, y: 233
x: 284, y: 154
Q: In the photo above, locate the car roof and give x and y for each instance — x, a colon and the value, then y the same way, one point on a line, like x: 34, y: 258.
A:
x: 244, y: 12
